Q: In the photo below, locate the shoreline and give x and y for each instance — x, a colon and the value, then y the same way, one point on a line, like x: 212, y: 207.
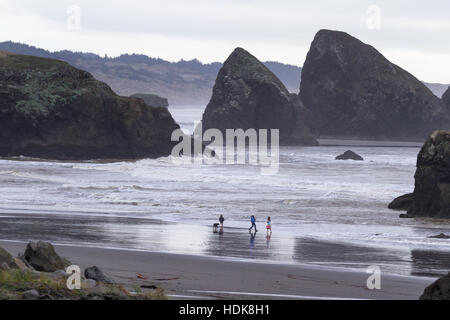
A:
x: 201, y: 277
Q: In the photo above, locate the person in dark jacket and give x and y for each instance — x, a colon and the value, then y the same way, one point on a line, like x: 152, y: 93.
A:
x: 253, y: 221
x: 221, y: 220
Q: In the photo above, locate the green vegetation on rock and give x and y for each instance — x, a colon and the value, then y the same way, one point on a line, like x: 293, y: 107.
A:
x: 50, y: 109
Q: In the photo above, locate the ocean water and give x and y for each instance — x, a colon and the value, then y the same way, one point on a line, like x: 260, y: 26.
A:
x: 324, y: 212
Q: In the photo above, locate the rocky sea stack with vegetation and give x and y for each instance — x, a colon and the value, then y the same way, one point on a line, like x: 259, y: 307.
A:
x: 248, y: 95
x: 353, y: 91
x: 431, y: 197
x: 49, y: 109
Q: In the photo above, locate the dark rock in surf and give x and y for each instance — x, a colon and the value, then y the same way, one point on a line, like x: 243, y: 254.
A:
x: 247, y: 95
x: 353, y: 91
x: 432, y: 179
x: 402, y: 203
x: 439, y: 290
x: 440, y: 236
x: 350, y: 155
x: 49, y: 109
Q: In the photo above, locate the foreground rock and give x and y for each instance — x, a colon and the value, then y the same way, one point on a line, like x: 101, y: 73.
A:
x: 96, y: 274
x: 403, y: 203
x: 32, y: 294
x: 440, y: 290
x: 431, y: 197
x: 350, y: 155
x: 152, y: 100
x: 43, y: 257
x: 247, y: 95
x: 6, y: 259
x: 49, y: 109
x: 353, y: 91
x: 25, y: 283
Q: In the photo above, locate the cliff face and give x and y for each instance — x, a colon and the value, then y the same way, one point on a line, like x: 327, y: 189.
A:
x: 431, y: 196
x: 432, y: 187
x: 353, y: 91
x: 247, y: 95
x: 446, y: 98
x: 49, y: 109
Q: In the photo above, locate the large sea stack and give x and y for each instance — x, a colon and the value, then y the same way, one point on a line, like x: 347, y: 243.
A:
x: 49, y: 109
x: 353, y: 91
x: 248, y: 95
x: 431, y: 196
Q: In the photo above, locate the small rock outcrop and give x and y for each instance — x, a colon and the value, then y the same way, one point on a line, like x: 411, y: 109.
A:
x: 43, y: 257
x: 247, y: 95
x: 440, y: 236
x: 353, y: 91
x: 152, y: 100
x: 49, y: 109
x: 431, y: 197
x: 350, y: 155
x: 402, y: 203
x: 94, y: 273
x: 439, y: 290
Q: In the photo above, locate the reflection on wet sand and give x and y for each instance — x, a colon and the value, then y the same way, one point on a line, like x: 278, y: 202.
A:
x: 430, y: 263
x: 158, y: 236
x: 351, y: 256
x: 239, y: 243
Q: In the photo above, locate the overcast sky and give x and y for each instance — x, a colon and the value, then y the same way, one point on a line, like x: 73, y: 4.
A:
x: 413, y: 34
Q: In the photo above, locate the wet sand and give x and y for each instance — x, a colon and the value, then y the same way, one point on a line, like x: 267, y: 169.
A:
x: 200, y: 277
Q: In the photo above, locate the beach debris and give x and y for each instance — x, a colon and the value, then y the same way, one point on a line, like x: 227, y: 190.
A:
x: 350, y: 155
x: 439, y: 290
x: 43, y: 257
x: 96, y: 274
x: 440, y: 236
x: 149, y: 287
x: 168, y: 279
x: 140, y: 276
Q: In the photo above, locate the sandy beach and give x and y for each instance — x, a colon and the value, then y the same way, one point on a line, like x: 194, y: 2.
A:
x: 197, y: 277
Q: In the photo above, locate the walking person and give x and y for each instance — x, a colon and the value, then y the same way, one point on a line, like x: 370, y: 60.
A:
x: 253, y: 221
x: 221, y: 220
x: 269, y: 226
